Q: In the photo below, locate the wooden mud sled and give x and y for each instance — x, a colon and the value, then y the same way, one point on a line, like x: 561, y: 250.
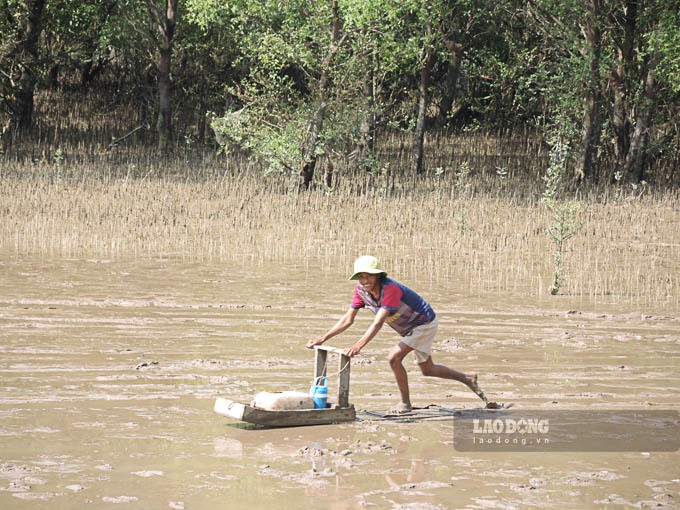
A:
x: 335, y: 412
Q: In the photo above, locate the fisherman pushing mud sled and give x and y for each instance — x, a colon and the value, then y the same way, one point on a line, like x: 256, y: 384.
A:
x: 409, y: 315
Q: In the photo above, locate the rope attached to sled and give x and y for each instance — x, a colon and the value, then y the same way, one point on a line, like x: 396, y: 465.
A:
x: 336, y: 374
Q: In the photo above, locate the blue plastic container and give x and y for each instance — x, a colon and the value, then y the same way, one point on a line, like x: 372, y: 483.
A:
x: 319, y: 392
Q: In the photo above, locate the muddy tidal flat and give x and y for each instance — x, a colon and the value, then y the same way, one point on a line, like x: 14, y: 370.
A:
x: 110, y: 368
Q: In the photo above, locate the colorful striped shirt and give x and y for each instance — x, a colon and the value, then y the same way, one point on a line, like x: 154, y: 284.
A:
x: 407, y: 309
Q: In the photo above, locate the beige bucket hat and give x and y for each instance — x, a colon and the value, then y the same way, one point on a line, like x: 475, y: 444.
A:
x: 366, y: 264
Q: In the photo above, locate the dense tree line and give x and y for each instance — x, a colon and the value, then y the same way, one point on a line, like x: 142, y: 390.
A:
x: 298, y: 80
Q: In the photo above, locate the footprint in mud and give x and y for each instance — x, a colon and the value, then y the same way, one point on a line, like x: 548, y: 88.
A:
x: 498, y: 405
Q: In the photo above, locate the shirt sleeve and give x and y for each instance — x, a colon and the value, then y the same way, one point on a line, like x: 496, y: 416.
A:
x: 357, y: 302
x: 391, y: 297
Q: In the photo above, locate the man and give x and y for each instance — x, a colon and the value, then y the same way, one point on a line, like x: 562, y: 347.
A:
x: 408, y: 314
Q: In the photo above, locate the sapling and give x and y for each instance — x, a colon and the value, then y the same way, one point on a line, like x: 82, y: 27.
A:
x: 565, y: 224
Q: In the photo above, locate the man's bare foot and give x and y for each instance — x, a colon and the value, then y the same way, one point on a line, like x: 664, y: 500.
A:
x: 402, y: 407
x: 474, y: 386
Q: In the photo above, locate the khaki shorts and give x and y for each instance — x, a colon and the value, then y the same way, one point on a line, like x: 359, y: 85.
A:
x: 420, y: 340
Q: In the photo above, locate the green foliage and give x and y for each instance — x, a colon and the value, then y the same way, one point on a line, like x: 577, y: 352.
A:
x: 208, y: 13
x: 285, y: 47
x: 519, y: 64
x: 664, y: 42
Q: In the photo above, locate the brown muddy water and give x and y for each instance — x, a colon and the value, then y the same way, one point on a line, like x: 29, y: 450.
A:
x: 110, y: 368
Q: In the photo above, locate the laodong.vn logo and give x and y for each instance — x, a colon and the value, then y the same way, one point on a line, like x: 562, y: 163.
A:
x: 510, y: 431
x: 567, y: 430
x: 510, y: 427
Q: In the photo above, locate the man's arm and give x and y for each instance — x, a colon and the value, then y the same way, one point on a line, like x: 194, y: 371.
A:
x: 372, y: 330
x: 345, y: 322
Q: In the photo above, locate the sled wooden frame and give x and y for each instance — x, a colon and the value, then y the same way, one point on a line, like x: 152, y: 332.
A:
x: 339, y: 412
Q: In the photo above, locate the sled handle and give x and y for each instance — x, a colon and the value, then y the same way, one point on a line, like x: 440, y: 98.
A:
x: 330, y: 349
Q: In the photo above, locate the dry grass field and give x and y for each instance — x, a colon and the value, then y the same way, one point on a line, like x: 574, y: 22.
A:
x: 70, y: 192
x: 475, y: 227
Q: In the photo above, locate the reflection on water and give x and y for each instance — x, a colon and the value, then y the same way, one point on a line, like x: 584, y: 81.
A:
x: 109, y: 370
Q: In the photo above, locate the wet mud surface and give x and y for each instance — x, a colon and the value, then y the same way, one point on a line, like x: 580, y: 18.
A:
x: 110, y: 368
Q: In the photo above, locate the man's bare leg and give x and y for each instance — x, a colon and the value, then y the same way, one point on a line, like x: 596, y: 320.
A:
x: 428, y: 368
x: 396, y: 357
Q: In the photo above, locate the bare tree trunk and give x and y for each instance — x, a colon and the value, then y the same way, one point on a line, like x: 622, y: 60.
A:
x: 165, y: 21
x: 449, y: 94
x: 21, y: 105
x: 164, y: 124
x: 365, y: 141
x: 423, y: 89
x: 622, y: 79
x: 201, y: 120
x: 328, y: 175
x: 310, y: 157
x: 633, y: 168
x: 309, y: 149
x: 591, y: 130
